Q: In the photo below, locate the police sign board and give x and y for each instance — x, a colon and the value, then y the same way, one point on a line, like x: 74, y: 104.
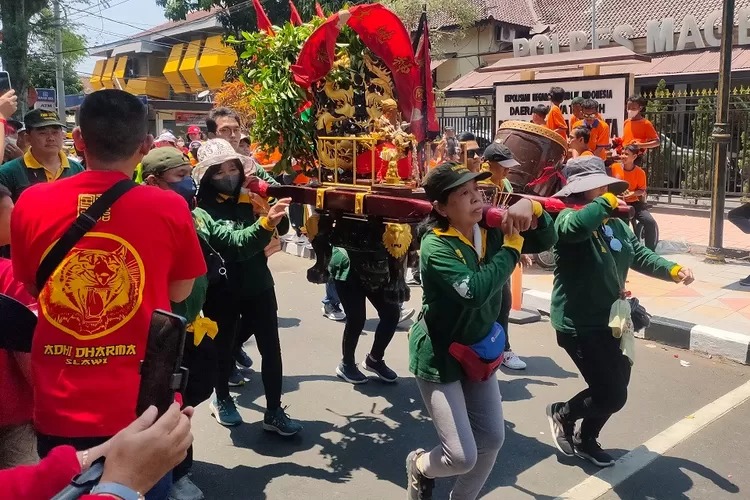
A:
x: 46, y: 99
x: 514, y: 100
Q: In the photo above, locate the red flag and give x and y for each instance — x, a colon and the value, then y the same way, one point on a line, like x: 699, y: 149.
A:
x: 319, y: 11
x: 264, y: 24
x: 430, y: 124
x: 296, y: 20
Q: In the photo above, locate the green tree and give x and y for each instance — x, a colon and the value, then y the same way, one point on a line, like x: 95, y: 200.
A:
x: 698, y: 163
x: 20, y: 18
x: 15, y: 16
x: 42, y: 62
x: 460, y: 16
x: 239, y: 15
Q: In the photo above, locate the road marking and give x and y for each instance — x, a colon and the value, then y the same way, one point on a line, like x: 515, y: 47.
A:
x: 606, y: 479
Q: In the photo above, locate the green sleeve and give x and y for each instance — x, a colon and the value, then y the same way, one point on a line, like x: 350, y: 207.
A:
x: 574, y: 226
x: 237, y: 244
x: 647, y: 262
x: 542, y: 238
x: 265, y: 176
x: 470, y: 288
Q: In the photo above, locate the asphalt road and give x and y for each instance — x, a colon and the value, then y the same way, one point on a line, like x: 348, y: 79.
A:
x: 356, y: 438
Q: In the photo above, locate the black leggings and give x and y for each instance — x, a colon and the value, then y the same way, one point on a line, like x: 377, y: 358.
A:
x: 221, y: 308
x: 353, y: 296
x: 504, y: 318
x: 260, y: 318
x: 606, y: 370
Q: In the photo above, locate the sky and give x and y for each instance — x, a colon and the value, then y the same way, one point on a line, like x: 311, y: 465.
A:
x: 137, y: 15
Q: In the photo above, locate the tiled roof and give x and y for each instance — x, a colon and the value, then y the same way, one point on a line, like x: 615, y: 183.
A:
x: 518, y: 12
x: 565, y: 16
x: 692, y: 62
x: 191, y: 17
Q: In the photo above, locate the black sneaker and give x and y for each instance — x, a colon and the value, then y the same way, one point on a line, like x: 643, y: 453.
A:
x: 351, y: 373
x: 418, y: 486
x: 745, y: 282
x: 380, y: 369
x: 562, y: 430
x: 591, y: 450
x: 243, y: 359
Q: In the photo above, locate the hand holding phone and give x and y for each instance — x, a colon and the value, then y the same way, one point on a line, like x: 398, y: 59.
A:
x: 8, y: 103
x: 161, y: 373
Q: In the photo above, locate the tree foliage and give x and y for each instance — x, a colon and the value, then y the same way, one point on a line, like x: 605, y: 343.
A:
x: 234, y: 95
x: 22, y: 60
x: 42, y: 54
x: 264, y: 70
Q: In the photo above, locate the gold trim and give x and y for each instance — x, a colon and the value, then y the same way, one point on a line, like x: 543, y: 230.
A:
x: 359, y: 203
x: 320, y: 195
x: 535, y: 129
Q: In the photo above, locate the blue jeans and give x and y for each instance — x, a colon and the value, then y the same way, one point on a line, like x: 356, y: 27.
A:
x: 332, y: 296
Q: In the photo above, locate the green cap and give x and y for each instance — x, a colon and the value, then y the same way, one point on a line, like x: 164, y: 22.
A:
x: 159, y: 160
x: 38, y: 118
x: 448, y: 176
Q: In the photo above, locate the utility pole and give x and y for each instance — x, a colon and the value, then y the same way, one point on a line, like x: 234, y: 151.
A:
x: 59, y: 75
x: 721, y: 136
x: 594, y: 41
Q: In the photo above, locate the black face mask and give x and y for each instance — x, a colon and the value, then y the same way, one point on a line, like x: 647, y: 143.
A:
x: 227, y: 185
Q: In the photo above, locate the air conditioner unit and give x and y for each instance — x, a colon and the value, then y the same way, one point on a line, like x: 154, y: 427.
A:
x: 504, y: 33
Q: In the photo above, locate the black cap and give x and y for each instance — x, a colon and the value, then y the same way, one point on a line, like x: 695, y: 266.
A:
x: 500, y: 153
x: 448, y: 176
x: 38, y: 118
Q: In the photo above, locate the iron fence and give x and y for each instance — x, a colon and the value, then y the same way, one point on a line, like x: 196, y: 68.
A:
x: 682, y: 166
x: 477, y: 119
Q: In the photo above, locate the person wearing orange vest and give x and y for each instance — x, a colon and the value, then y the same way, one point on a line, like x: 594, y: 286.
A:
x: 599, y: 138
x: 578, y: 141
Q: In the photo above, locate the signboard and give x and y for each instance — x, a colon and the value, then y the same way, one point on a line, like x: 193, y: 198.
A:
x: 514, y: 100
x: 184, y: 119
x: 659, y: 35
x: 46, y: 99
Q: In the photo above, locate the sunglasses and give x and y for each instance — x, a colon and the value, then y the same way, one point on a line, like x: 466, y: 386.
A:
x: 609, y: 235
x: 589, y: 115
x: 475, y: 153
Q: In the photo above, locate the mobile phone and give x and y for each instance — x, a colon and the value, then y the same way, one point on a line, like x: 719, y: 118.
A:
x: 161, y: 373
x: 18, y: 323
x: 4, y: 82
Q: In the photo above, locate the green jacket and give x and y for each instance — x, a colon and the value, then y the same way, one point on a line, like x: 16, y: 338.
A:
x: 249, y: 276
x: 15, y: 174
x: 239, y: 245
x: 589, y: 274
x: 462, y: 293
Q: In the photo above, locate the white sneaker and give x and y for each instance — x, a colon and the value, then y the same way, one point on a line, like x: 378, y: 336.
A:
x: 510, y: 360
x: 334, y: 313
x: 406, y: 314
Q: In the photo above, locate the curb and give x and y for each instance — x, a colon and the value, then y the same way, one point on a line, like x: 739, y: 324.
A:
x: 675, y: 333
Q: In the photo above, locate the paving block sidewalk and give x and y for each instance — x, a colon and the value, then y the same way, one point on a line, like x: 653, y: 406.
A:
x: 715, y: 299
x: 695, y: 230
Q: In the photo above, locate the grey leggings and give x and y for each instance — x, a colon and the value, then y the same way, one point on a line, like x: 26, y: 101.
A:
x: 468, y: 417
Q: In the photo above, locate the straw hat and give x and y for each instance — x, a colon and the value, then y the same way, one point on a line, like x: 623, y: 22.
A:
x: 217, y: 151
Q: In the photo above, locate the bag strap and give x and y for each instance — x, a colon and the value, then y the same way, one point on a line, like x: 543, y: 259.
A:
x: 84, y: 223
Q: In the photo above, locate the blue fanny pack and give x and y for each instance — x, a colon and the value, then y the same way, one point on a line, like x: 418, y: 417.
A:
x: 492, y: 345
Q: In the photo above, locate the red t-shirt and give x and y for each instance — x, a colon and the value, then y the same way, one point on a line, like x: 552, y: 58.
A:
x: 95, y: 310
x: 16, y: 397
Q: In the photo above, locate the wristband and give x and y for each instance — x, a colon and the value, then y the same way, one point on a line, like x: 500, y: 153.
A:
x: 611, y: 200
x: 117, y: 490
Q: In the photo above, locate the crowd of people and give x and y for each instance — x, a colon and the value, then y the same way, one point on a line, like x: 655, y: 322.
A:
x: 194, y: 236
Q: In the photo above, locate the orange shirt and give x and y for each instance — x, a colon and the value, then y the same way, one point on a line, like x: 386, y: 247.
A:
x: 636, y: 179
x: 586, y: 153
x: 617, y: 171
x: 556, y: 120
x: 599, y: 137
x: 638, y: 130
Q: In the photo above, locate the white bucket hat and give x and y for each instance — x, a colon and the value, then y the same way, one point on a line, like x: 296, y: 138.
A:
x: 217, y: 151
